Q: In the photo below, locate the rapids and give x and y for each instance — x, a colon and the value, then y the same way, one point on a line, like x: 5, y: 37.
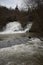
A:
x: 18, y: 49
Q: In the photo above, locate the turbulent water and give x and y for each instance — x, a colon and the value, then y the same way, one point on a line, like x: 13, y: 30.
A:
x: 13, y: 26
x: 20, y: 50
x: 14, y: 30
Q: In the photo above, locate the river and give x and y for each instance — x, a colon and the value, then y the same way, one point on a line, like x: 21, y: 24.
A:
x: 20, y: 50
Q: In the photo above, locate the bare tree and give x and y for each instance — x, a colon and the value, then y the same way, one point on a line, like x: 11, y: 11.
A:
x: 39, y: 2
x: 31, y: 3
x: 28, y: 2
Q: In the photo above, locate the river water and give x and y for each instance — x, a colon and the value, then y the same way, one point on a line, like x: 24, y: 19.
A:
x: 20, y: 50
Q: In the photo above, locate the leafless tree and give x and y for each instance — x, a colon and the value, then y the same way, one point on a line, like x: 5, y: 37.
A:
x: 32, y: 2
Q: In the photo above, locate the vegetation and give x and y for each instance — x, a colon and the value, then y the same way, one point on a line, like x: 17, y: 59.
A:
x: 37, y: 26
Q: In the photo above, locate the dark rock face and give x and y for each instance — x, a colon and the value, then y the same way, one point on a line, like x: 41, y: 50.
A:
x: 37, y: 26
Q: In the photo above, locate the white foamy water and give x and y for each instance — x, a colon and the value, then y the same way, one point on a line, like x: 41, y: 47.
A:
x: 30, y: 53
x: 14, y: 29
x: 13, y: 26
x: 19, y: 51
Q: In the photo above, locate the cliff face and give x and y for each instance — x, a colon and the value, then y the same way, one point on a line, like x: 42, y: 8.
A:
x: 37, y: 26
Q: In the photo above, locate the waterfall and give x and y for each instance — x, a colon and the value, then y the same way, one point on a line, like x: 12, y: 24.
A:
x: 14, y: 30
x: 13, y: 26
x: 16, y: 27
